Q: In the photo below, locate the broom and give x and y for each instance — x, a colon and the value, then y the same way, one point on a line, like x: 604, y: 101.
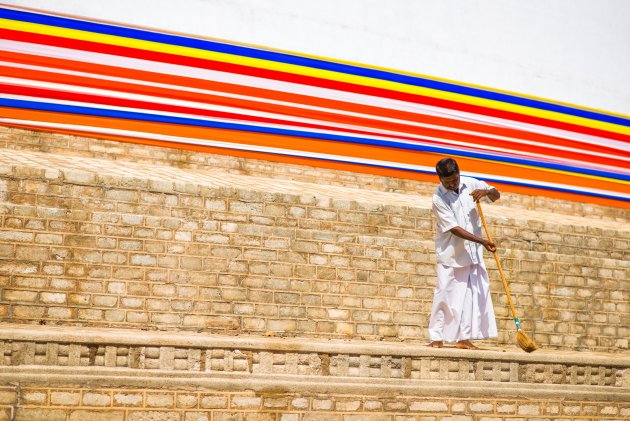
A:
x: 522, y: 339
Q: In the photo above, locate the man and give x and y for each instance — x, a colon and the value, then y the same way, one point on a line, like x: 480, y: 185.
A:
x: 462, y: 307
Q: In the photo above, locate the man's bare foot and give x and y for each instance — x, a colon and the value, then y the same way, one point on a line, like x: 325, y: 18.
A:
x: 465, y: 345
x: 436, y: 344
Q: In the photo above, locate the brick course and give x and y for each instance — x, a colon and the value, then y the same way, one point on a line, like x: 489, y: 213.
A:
x: 139, y: 404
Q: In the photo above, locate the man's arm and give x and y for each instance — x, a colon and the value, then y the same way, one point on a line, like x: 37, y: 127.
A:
x: 493, y: 194
x: 462, y: 233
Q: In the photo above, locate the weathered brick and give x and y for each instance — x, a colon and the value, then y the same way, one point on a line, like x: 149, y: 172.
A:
x: 31, y: 414
x: 420, y: 406
x: 19, y: 236
x: 137, y: 415
x: 159, y: 400
x: 34, y: 397
x: 143, y: 260
x: 347, y: 405
x: 481, y: 407
x: 49, y: 238
x: 65, y: 398
x: 128, y: 399
x: 245, y: 402
x: 300, y: 403
x: 213, y: 402
x: 187, y: 401
x: 322, y: 404
x: 47, y: 297
x: 320, y: 417
x: 108, y: 415
x: 20, y: 296
x: 8, y: 397
x: 528, y: 409
x: 90, y: 314
x: 197, y: 416
x: 97, y: 399
x: 28, y: 312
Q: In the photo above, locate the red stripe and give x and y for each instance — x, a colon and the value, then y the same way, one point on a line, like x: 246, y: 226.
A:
x: 279, y: 96
x: 293, y: 78
x: 142, y: 106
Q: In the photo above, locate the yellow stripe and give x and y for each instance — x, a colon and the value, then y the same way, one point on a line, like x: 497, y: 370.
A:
x: 407, y: 73
x: 348, y: 62
x: 307, y: 71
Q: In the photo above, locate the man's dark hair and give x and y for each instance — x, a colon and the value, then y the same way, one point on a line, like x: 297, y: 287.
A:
x: 446, y: 167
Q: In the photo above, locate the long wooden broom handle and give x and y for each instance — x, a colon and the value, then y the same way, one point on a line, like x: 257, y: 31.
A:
x: 505, y: 285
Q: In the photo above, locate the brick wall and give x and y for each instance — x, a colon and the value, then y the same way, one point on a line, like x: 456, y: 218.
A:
x: 101, y: 234
x: 105, y: 244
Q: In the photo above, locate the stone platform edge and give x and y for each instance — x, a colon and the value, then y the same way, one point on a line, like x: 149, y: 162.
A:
x: 27, y: 352
x: 186, y: 339
x: 103, y: 377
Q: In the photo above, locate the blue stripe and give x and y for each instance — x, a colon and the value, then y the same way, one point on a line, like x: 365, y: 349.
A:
x: 308, y: 62
x: 128, y: 115
x: 486, y: 178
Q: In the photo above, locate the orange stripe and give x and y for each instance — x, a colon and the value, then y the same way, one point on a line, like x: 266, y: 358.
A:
x: 341, y: 166
x: 295, y: 98
x: 476, y: 141
x: 312, y: 145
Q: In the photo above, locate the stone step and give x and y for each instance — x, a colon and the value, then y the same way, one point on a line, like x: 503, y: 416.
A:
x: 250, y: 355
x: 59, y: 394
x: 58, y: 372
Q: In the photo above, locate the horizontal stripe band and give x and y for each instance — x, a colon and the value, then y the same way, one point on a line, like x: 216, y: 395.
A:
x: 283, y: 71
x: 294, y: 133
x: 471, y: 141
x: 372, y: 163
x: 237, y: 50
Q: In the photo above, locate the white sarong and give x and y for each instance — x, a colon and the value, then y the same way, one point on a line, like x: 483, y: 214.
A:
x: 462, y: 306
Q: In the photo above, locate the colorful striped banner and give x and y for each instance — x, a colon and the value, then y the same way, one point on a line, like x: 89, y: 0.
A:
x: 78, y: 76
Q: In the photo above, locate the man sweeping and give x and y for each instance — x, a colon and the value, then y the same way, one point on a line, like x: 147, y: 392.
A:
x: 462, y: 308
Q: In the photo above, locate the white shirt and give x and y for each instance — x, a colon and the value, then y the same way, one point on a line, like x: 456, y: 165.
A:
x: 452, y: 210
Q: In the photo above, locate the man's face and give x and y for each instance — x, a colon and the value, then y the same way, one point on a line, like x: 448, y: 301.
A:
x: 451, y: 182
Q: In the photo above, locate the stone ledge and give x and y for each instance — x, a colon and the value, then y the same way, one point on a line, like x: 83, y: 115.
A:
x: 67, y: 145
x: 151, y: 177
x: 133, y: 337
x: 199, y: 354
x: 101, y: 377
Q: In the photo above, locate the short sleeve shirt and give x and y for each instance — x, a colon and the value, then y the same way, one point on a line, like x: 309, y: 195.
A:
x: 452, y: 210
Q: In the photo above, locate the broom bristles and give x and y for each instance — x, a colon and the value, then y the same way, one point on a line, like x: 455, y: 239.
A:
x: 525, y: 343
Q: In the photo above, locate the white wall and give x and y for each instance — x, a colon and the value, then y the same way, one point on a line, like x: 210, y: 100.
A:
x: 576, y: 51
